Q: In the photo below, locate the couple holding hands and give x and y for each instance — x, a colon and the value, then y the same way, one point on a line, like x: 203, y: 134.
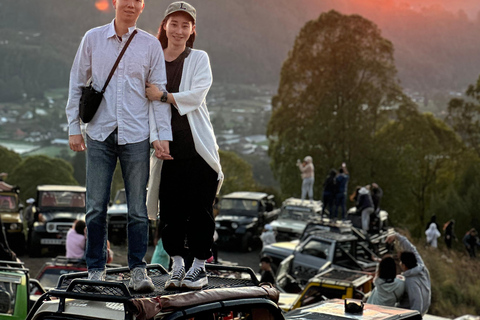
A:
x: 156, y: 97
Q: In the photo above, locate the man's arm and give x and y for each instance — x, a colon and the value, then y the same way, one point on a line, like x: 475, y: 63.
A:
x: 79, y: 74
x: 406, y: 245
x: 161, y: 111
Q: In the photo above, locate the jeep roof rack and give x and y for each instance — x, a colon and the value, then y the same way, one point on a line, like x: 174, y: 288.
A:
x: 115, y: 289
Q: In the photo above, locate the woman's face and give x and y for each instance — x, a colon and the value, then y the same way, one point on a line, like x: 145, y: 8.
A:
x: 178, y: 29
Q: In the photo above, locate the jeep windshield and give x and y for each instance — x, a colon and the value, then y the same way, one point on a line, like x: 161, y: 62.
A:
x: 62, y: 200
x: 120, y: 197
x: 296, y: 213
x: 238, y: 207
x: 8, y: 203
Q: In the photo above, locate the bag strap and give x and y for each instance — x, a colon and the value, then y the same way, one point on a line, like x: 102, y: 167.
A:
x: 118, y: 60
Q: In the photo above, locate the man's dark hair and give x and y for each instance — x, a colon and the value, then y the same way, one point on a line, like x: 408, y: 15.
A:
x: 266, y: 259
x: 80, y: 227
x: 387, y: 269
x: 408, y: 259
x: 340, y: 170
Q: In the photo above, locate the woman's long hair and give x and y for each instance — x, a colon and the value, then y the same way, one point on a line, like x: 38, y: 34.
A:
x: 162, y: 34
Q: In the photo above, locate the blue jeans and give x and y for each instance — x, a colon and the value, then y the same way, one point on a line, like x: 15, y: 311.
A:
x: 101, y: 161
x: 340, y: 201
x: 307, y: 188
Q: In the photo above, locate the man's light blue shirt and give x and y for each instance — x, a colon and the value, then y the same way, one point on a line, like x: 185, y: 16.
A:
x: 125, y: 105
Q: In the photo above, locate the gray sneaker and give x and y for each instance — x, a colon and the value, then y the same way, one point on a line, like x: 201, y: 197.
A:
x: 196, y: 278
x: 139, y: 281
x: 96, y: 275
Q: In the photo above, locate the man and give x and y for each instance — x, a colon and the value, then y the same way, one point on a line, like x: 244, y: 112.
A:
x: 341, y: 181
x: 417, y: 277
x: 308, y: 177
x: 30, y: 216
x: 266, y: 269
x: 119, y: 130
x: 470, y: 240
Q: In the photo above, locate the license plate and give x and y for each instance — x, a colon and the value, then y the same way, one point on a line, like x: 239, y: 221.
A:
x: 53, y: 241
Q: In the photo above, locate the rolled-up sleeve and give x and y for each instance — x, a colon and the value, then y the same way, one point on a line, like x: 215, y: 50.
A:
x: 162, y: 114
x: 81, y: 71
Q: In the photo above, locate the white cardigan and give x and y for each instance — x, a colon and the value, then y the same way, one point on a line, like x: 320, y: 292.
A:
x: 191, y: 101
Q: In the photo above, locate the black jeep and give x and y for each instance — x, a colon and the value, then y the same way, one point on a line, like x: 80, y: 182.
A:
x: 242, y: 217
x: 58, y: 207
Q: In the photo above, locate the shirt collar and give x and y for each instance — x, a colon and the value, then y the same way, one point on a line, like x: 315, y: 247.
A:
x: 111, y: 29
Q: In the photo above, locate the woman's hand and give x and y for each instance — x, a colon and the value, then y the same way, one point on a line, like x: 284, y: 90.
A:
x: 162, y: 149
x: 152, y: 92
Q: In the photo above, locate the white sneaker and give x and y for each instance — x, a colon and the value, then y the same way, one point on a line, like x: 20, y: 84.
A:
x: 140, y: 281
x: 97, y: 275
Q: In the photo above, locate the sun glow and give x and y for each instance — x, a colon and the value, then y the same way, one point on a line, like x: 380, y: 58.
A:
x: 102, y: 5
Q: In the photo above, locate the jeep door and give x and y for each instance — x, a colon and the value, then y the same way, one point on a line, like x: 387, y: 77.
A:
x: 310, y: 257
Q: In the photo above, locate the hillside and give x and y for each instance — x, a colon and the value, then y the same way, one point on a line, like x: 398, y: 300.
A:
x: 436, y: 43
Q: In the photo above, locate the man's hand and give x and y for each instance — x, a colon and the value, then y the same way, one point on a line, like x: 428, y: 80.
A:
x: 76, y: 142
x: 390, y: 238
x: 162, y: 149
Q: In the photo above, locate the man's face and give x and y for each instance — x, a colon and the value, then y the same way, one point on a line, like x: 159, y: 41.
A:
x: 128, y: 11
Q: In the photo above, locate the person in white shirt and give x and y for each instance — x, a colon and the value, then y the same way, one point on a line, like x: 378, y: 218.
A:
x: 189, y: 182
x: 120, y: 130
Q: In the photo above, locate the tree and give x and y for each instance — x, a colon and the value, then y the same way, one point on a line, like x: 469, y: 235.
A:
x: 464, y: 116
x: 418, y: 162
x: 8, y: 160
x: 336, y: 88
x: 37, y: 170
x: 237, y: 172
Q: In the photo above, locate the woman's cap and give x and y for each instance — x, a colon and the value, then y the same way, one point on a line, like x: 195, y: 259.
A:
x: 30, y: 201
x: 181, y: 6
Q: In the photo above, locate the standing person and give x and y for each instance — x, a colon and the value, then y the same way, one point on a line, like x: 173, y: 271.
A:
x: 365, y: 207
x: 268, y: 235
x: 449, y: 233
x: 470, y: 240
x: 432, y: 234
x: 377, y: 194
x: 433, y: 219
x: 119, y: 131
x: 308, y: 177
x: 75, y: 242
x: 417, y: 277
x: 329, y: 192
x: 30, y: 216
x: 341, y: 182
x: 389, y: 287
x: 189, y: 182
x: 266, y: 270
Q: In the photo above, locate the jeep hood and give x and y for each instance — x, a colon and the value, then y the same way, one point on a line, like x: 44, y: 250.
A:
x: 241, y: 220
x: 288, y: 225
x: 10, y: 217
x: 59, y: 216
x: 118, y: 209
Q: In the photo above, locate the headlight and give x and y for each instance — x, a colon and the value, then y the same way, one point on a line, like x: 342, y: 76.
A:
x: 51, y: 227
x: 217, y: 225
x: 13, y: 226
x: 234, y: 225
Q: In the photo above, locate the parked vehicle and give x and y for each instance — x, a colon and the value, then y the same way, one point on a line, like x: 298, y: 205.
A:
x: 52, y: 270
x: 232, y: 293
x: 17, y: 291
x: 351, y: 309
x: 242, y: 217
x: 11, y: 211
x: 294, y: 216
x: 326, y: 247
x: 328, y: 284
x: 117, y: 219
x: 58, y: 207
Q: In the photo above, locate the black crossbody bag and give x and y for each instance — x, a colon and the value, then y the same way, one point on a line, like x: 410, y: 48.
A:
x: 91, y: 98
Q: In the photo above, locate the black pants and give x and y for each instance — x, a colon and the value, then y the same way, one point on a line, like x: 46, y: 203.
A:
x: 187, y: 191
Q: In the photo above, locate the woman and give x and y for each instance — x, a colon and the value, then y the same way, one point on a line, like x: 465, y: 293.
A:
x: 329, y: 193
x: 389, y: 287
x: 432, y: 234
x: 192, y: 175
